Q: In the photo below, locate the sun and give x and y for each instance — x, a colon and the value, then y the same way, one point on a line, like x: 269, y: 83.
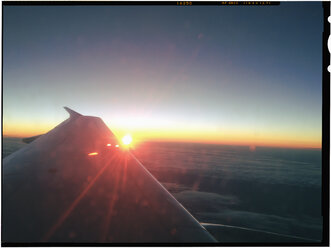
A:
x: 127, y: 139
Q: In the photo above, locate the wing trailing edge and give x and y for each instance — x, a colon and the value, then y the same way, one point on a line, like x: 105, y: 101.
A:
x: 30, y: 139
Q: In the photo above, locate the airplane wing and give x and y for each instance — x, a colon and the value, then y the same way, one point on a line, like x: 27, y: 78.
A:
x: 30, y: 139
x: 73, y: 184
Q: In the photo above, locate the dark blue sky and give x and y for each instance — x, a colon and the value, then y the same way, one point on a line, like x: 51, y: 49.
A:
x: 253, y: 72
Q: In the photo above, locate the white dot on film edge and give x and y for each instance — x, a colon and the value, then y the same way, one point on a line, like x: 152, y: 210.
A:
x: 329, y: 19
x: 329, y: 68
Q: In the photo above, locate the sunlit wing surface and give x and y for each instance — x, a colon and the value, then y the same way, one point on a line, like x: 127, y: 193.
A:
x: 69, y: 185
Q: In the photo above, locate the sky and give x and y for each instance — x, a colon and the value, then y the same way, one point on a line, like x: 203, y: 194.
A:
x: 211, y: 74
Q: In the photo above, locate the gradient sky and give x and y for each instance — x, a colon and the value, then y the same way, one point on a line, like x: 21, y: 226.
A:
x: 215, y: 74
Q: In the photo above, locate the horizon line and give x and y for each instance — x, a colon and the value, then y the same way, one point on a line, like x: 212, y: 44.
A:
x: 251, y: 146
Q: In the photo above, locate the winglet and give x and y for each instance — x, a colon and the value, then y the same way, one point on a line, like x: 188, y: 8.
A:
x: 73, y: 114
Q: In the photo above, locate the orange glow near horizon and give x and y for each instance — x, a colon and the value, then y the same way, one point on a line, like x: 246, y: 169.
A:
x: 22, y: 129
x: 230, y: 138
x: 210, y: 136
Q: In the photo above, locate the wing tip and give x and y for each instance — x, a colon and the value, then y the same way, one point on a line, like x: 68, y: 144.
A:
x: 72, y: 113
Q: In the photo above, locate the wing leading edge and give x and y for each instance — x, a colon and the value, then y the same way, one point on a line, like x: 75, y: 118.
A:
x: 54, y: 191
